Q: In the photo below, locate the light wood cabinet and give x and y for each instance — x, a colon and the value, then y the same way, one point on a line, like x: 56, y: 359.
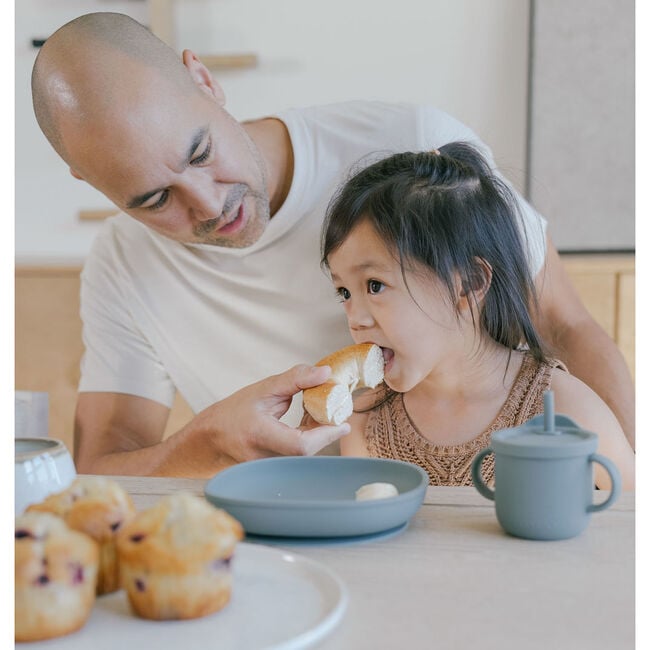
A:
x: 606, y: 284
x: 49, y: 347
x: 48, y: 341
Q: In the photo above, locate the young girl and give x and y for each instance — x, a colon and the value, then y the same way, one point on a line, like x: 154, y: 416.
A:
x: 426, y: 254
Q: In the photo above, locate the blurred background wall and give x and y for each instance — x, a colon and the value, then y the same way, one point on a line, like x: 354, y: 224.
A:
x: 547, y: 84
x: 468, y: 57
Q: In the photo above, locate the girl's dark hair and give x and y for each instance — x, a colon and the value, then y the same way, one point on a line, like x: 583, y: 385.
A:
x: 447, y: 210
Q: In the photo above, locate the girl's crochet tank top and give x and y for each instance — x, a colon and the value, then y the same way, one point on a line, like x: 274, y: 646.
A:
x: 390, y: 433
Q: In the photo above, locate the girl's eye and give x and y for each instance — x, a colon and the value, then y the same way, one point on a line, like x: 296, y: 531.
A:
x: 343, y: 294
x: 162, y: 199
x: 202, y: 157
x: 375, y: 286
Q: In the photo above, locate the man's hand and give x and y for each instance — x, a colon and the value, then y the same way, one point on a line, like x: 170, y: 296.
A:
x: 246, y: 425
x: 122, y: 434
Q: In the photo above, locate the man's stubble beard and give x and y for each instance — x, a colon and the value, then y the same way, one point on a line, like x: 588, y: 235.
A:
x: 253, y: 230
x: 257, y: 222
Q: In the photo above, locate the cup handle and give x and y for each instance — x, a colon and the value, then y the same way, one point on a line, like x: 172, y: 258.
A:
x: 614, y: 474
x: 477, y: 479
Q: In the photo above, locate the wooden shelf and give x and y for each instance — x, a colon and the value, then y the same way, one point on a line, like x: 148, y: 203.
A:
x: 96, y: 215
x: 161, y: 23
x: 229, y: 61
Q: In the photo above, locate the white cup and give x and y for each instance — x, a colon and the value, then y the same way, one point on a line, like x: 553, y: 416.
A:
x: 42, y: 466
x: 32, y: 412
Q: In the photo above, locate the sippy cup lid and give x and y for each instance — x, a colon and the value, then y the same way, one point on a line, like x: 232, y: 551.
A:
x: 545, y: 436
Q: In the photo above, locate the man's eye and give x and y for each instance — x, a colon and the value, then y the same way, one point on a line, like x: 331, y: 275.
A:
x: 202, y: 157
x: 343, y: 294
x: 375, y: 286
x: 160, y: 202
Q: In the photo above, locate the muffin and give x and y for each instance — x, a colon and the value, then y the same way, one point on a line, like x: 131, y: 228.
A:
x: 98, y: 507
x: 175, y: 558
x: 55, y: 576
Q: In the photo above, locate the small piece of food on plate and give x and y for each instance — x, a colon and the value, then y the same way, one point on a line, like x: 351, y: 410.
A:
x: 98, y: 507
x: 175, y: 558
x: 55, y: 576
x: 376, y: 491
x: 353, y: 367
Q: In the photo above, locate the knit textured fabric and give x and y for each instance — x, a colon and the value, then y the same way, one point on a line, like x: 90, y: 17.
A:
x: 390, y: 433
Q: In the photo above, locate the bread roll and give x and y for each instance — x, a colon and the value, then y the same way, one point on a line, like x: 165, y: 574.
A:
x: 355, y: 366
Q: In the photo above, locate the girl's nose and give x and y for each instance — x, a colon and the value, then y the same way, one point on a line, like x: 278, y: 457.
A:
x: 359, y: 317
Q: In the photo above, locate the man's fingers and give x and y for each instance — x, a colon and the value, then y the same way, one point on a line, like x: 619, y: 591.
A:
x: 298, y: 378
x: 313, y: 440
x: 284, y: 440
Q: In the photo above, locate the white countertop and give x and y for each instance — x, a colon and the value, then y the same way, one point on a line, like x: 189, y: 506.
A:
x: 454, y: 579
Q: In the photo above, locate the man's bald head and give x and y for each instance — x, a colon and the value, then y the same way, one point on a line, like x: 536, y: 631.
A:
x: 83, y: 66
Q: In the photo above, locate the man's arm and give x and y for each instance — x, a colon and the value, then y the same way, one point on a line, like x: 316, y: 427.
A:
x: 122, y: 434
x: 589, y: 353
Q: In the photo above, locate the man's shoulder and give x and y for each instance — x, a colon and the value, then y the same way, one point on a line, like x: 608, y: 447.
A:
x: 403, y: 125
x: 122, y: 238
x: 116, y: 230
x: 357, y: 111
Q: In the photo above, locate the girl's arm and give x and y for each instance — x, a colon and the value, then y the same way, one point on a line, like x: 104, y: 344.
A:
x: 579, y: 402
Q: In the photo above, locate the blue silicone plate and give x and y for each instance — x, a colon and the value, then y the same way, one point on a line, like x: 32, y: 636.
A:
x: 314, y: 496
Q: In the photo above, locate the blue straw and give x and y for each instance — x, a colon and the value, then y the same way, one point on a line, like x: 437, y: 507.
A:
x: 549, y: 412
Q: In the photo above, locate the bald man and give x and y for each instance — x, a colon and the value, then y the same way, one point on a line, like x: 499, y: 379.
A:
x: 209, y: 283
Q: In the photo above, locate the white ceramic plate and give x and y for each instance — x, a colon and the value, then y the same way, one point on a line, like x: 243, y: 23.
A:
x: 314, y: 496
x: 280, y: 601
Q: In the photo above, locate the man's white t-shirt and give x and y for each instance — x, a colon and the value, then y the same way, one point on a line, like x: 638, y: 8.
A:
x: 160, y: 316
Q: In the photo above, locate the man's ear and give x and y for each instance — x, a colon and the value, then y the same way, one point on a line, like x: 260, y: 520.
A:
x: 202, y: 77
x: 473, y: 288
x: 76, y: 174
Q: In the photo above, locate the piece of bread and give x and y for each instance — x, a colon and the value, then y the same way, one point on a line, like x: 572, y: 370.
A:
x: 355, y: 366
x: 98, y: 507
x: 55, y: 575
x: 175, y: 558
x: 371, y: 491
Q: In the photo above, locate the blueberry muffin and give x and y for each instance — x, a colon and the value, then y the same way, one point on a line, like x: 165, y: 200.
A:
x: 175, y: 558
x: 98, y: 507
x: 55, y: 576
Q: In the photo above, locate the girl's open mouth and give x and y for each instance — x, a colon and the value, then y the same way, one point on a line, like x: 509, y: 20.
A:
x: 388, y: 357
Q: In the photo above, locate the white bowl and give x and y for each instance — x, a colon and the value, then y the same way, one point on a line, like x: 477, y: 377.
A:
x: 42, y: 466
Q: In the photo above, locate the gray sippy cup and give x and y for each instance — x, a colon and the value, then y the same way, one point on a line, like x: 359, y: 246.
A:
x: 543, y: 476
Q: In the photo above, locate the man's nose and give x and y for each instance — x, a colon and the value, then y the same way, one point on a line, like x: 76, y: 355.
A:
x: 207, y: 201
